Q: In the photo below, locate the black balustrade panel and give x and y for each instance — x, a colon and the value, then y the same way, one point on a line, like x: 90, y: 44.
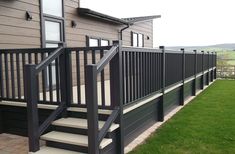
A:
x: 189, y: 64
x: 79, y: 58
x: 199, y: 62
x: 141, y: 73
x: 173, y: 67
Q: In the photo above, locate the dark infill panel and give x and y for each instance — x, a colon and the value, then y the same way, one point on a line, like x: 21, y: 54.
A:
x: 189, y: 65
x: 206, y: 63
x: 173, y: 68
x: 136, y: 121
x: 199, y: 62
x: 198, y: 82
x: 171, y: 100
x: 188, y: 89
x: 15, y: 119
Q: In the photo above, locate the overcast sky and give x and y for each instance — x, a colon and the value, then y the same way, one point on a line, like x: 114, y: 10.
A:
x: 183, y: 22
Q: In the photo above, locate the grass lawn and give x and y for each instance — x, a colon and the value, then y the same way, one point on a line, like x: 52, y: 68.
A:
x: 205, y: 126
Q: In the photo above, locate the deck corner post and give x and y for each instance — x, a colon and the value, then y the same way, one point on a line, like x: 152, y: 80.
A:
x: 183, y: 77
x: 215, y: 70
x: 212, y: 70
x: 161, y: 103
x: 208, y: 68
x: 31, y: 88
x: 195, y: 74
x: 1, y: 122
x: 203, y: 72
x: 92, y: 108
x: 116, y: 83
x: 69, y: 84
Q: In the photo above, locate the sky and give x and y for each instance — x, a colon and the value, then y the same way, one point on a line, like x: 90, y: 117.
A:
x: 183, y: 22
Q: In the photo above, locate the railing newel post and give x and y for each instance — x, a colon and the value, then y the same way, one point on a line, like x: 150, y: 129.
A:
x: 215, y: 70
x: 195, y: 74
x: 92, y: 108
x: 203, y: 72
x: 116, y: 85
x: 208, y: 68
x: 183, y: 77
x: 31, y: 89
x: 1, y: 122
x: 161, y: 102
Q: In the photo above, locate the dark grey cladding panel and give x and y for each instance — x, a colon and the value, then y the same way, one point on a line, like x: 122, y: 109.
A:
x: 15, y: 119
x: 171, y: 100
x: 136, y: 121
x: 188, y: 89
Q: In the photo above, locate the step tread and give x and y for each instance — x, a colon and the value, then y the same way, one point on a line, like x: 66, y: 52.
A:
x: 50, y: 150
x: 74, y: 139
x: 80, y: 123
x: 84, y: 110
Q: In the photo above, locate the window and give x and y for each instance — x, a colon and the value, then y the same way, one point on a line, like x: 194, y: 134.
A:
x: 137, y: 40
x: 104, y: 43
x: 52, y: 31
x: 93, y: 42
x: 96, y: 42
x: 52, y: 7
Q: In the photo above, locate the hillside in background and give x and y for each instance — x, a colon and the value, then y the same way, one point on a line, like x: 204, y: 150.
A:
x: 225, y: 52
x: 217, y: 47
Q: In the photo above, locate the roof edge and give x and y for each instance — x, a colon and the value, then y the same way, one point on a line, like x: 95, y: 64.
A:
x: 121, y: 21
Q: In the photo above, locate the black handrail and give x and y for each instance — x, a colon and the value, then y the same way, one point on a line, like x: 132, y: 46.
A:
x: 106, y: 59
x: 31, y: 73
x: 49, y: 59
x: 94, y: 136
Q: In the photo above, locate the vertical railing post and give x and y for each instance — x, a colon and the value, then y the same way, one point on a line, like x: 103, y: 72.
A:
x: 208, y: 68
x: 69, y: 82
x: 215, y: 71
x: 202, y: 77
x: 1, y: 95
x: 63, y: 83
x: 116, y: 86
x: 212, y: 69
x: 161, y: 102
x: 1, y: 122
x: 92, y: 107
x: 183, y: 77
x: 31, y: 88
x: 195, y: 74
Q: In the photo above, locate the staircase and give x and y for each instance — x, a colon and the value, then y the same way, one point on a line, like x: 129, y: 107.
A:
x: 69, y: 135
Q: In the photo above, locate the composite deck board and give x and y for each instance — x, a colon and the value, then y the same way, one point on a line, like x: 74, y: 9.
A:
x: 74, y: 139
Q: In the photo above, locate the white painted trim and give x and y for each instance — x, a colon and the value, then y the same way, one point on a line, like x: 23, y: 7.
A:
x: 23, y: 104
x: 140, y: 103
x: 173, y: 88
x: 188, y: 80
x: 100, y: 111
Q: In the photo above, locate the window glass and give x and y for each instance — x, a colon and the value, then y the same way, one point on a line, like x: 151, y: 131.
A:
x: 50, y: 45
x: 52, y: 7
x: 104, y: 43
x: 135, y: 40
x: 52, y: 30
x: 140, y: 44
x: 93, y: 42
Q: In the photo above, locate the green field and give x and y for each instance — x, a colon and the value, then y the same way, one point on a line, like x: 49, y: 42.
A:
x: 205, y: 126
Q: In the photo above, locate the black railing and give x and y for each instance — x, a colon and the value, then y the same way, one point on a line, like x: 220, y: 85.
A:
x: 12, y: 63
x: 113, y: 57
x: 31, y: 73
x: 96, y: 77
x: 79, y: 58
